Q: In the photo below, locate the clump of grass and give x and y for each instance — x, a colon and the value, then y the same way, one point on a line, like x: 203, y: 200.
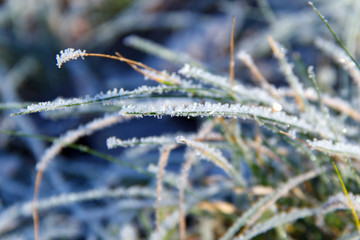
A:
x: 299, y: 131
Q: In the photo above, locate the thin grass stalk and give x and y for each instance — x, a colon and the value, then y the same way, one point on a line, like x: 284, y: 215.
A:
x: 205, y: 129
x: 334, y: 34
x: 121, y: 94
x: 215, y: 156
x: 253, y: 214
x: 258, y: 78
x: 286, y: 67
x: 325, y: 111
x: 164, y: 156
x: 70, y: 54
x: 38, y: 179
x: 340, y: 57
x: 356, y: 219
x: 353, y: 212
x: 68, y: 138
x: 183, y: 183
x: 276, y: 221
x: 334, y: 103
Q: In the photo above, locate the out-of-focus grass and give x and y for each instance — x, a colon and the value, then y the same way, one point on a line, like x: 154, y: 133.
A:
x: 259, y: 182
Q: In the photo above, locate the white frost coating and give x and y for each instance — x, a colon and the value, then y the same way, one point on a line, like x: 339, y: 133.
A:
x: 172, y: 219
x: 217, y: 110
x: 69, y: 54
x: 215, y: 156
x: 69, y: 198
x: 321, y: 123
x: 339, y: 55
x: 287, y: 69
x: 275, y: 221
x: 251, y: 215
x: 195, y: 72
x: 151, y: 74
x: 110, y: 94
x: 244, y: 56
x: 339, y: 148
x: 73, y: 135
x: 128, y: 232
x: 241, y: 92
x: 61, y: 103
x: 340, y: 201
x: 113, y: 142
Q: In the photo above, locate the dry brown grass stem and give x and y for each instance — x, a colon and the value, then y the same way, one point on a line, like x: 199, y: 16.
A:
x: 190, y: 159
x: 39, y: 176
x: 183, y: 182
x: 164, y: 156
x: 280, y: 55
x: 258, y: 78
x: 139, y: 67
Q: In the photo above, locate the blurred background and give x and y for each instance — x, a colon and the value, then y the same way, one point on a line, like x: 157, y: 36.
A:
x: 32, y: 32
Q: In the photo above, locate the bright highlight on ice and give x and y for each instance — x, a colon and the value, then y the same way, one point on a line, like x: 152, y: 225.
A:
x: 277, y: 107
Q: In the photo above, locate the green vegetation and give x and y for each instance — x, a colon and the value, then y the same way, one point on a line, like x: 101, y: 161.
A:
x: 282, y: 151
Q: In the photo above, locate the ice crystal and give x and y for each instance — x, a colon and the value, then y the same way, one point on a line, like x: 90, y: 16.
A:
x: 69, y: 54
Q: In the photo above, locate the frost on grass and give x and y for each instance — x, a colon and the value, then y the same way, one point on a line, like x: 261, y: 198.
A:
x: 287, y: 69
x: 340, y: 201
x: 69, y: 54
x: 73, y: 135
x: 215, y: 156
x: 164, y: 156
x: 172, y: 219
x: 241, y: 93
x: 339, y: 148
x: 60, y: 103
x: 13, y: 215
x: 219, y: 110
x: 207, y: 77
x: 113, y: 142
x: 335, y: 103
x: 336, y: 202
x: 340, y: 56
x: 275, y: 221
x: 65, y: 199
x: 255, y: 212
